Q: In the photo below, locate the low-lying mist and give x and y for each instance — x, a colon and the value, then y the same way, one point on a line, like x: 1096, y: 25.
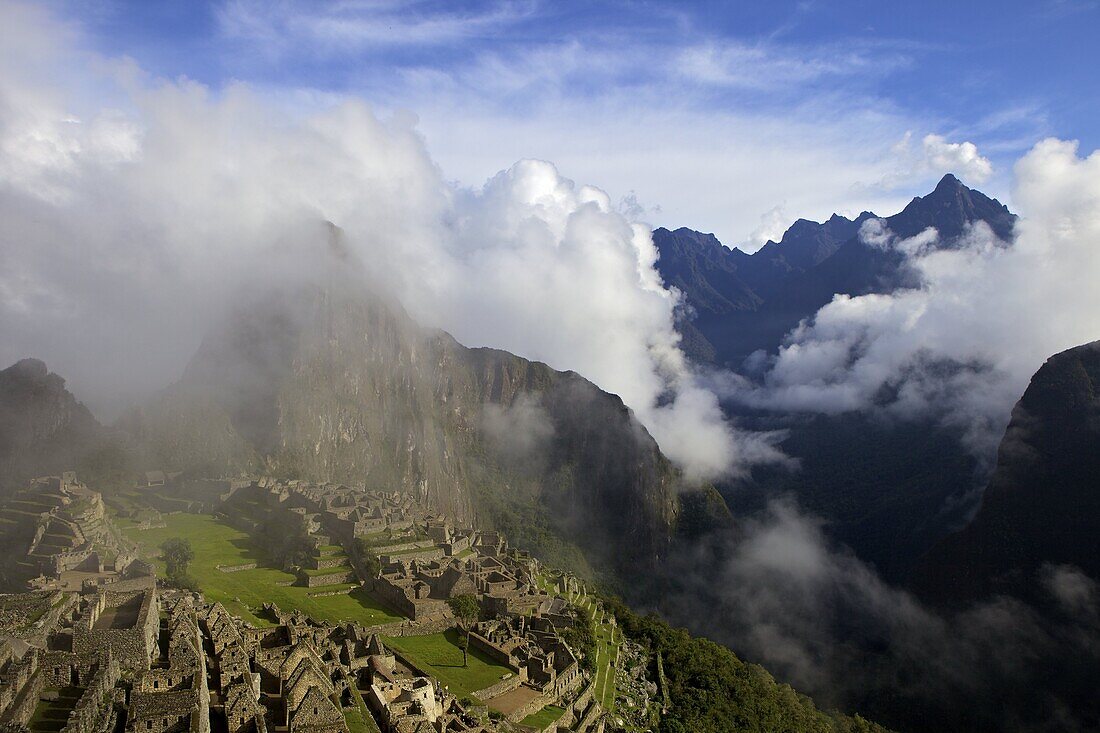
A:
x: 780, y: 593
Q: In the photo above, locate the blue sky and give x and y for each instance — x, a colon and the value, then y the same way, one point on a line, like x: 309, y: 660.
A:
x: 727, y: 117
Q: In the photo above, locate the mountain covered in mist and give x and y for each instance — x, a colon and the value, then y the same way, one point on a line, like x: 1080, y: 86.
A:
x: 1041, y: 508
x: 43, y: 428
x: 739, y: 303
x: 334, y: 383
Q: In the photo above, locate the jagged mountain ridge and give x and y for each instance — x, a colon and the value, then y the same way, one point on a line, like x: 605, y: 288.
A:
x: 1042, y: 504
x: 888, y: 490
x: 331, y: 384
x: 43, y: 428
x: 738, y: 303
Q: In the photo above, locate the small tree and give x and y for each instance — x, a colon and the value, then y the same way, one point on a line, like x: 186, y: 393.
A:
x: 368, y: 557
x: 467, y: 609
x: 177, y: 557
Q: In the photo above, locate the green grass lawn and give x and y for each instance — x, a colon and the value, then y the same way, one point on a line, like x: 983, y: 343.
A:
x: 440, y: 656
x: 216, y: 543
x: 544, y: 717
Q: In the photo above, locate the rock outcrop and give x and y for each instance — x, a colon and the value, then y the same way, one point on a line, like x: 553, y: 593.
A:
x: 43, y: 428
x: 1041, y: 508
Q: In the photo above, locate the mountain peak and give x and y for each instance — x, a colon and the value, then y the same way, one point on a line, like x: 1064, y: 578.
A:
x: 949, y: 182
x: 950, y: 208
x: 28, y: 369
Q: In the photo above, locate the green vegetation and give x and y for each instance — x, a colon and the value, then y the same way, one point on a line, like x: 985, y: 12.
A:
x: 354, y: 719
x: 441, y: 656
x: 216, y: 543
x: 466, y: 608
x: 359, y: 720
x: 581, y: 638
x: 712, y: 690
x: 177, y: 554
x: 544, y: 717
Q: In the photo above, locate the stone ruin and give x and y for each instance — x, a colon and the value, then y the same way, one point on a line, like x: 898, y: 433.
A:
x: 58, y: 535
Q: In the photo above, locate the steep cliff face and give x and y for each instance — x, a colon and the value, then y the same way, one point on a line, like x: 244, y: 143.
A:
x: 333, y: 384
x: 43, y: 429
x: 1042, y: 504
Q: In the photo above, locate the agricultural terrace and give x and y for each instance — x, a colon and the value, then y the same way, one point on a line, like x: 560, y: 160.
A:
x: 244, y: 592
x: 608, y: 640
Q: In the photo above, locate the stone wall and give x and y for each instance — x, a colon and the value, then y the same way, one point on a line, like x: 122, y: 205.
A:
x: 499, y: 688
x: 411, y: 628
x: 133, y: 647
x: 23, y: 708
x: 317, y: 581
x: 236, y: 568
x: 493, y: 651
x: 428, y: 553
x: 92, y: 713
x: 58, y: 666
x: 324, y: 563
x: 590, y: 716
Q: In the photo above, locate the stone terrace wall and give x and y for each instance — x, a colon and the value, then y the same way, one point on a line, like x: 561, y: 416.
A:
x: 317, y: 581
x: 500, y: 688
x: 428, y: 553
x: 237, y: 568
x: 411, y: 628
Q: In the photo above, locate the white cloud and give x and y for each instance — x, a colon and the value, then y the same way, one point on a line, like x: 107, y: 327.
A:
x: 963, y: 158
x: 765, y: 67
x: 934, y: 157
x: 330, y: 28
x: 124, y: 241
x: 714, y: 131
x: 963, y: 345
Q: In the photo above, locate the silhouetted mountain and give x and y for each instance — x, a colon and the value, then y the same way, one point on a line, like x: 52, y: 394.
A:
x: 43, y: 428
x: 739, y: 303
x: 1042, y: 504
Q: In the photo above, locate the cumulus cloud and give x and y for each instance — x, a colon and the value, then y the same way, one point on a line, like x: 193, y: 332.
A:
x: 963, y: 345
x: 128, y: 227
x: 935, y: 156
x: 940, y: 155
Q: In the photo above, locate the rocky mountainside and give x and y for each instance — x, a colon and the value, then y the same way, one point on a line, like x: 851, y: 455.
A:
x: 738, y: 303
x: 337, y: 384
x: 1042, y: 504
x: 43, y: 428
